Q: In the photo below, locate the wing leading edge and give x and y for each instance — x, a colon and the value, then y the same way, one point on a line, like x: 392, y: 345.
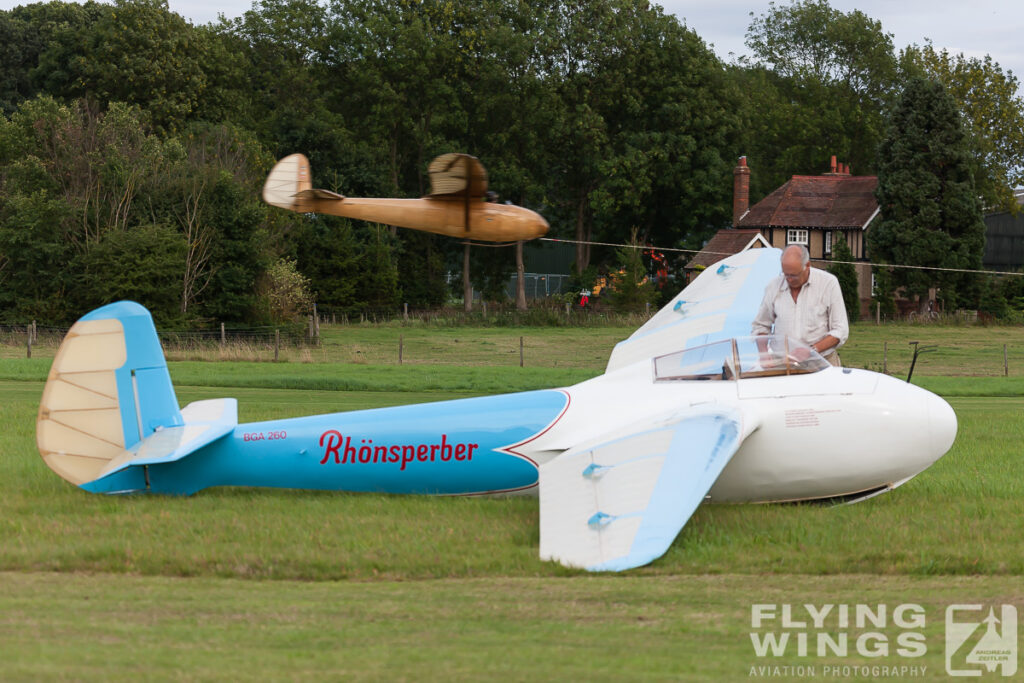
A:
x: 619, y: 504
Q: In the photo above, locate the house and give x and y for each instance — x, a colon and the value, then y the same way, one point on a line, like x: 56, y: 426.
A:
x: 814, y: 211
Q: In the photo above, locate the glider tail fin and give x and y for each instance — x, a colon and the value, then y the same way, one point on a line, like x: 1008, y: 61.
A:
x: 290, y: 185
x: 108, y: 390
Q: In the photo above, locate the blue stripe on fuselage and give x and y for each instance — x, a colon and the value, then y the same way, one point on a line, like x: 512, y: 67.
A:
x: 449, y: 447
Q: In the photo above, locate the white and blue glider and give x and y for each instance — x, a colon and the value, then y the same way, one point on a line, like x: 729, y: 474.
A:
x: 690, y: 409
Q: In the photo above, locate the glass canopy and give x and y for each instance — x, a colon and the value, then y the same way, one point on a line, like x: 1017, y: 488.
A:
x: 740, y: 358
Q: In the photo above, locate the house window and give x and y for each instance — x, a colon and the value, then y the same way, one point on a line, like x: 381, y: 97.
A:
x: 794, y: 236
x: 828, y: 243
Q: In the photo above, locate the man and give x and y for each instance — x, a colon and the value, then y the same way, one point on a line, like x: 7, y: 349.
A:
x: 804, y: 303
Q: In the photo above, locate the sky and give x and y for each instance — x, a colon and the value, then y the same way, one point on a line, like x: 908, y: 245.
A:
x: 974, y: 28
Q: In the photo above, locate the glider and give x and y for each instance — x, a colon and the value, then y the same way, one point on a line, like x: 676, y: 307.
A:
x: 690, y: 409
x: 457, y: 205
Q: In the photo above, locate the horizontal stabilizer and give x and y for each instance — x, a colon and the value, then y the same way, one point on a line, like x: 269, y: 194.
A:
x: 205, y: 422
x: 619, y: 504
x: 318, y: 194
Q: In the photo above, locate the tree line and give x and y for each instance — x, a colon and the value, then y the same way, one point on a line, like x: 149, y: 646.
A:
x: 133, y: 144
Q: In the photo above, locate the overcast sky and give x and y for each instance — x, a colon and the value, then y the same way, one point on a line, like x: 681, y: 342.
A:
x: 973, y: 27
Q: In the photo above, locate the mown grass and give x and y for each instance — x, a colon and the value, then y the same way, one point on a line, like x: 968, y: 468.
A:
x: 973, y: 493
x: 600, y: 628
x: 961, y: 350
x: 251, y: 584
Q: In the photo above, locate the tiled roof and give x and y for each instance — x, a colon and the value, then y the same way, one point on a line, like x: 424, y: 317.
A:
x: 826, y: 201
x: 725, y: 243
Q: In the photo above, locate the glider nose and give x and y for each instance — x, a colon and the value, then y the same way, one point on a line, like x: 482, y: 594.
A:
x: 941, y: 425
x: 537, y: 226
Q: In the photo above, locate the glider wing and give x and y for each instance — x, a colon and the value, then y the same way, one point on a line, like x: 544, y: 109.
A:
x: 720, y: 303
x: 457, y: 174
x: 619, y: 503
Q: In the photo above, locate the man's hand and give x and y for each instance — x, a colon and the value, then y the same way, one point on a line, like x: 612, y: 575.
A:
x: 800, y: 354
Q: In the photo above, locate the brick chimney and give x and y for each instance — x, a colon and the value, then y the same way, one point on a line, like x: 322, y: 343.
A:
x: 838, y: 167
x: 740, y: 190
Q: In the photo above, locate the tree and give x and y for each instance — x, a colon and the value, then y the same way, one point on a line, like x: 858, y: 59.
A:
x: 285, y: 292
x: 809, y: 41
x: 142, y: 264
x: 817, y: 85
x: 846, y: 273
x: 993, y: 116
x: 379, y: 286
x: 136, y: 51
x: 930, y: 212
x: 630, y: 288
x: 645, y: 118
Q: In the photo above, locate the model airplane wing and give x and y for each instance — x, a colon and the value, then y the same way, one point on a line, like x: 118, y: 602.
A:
x: 719, y: 304
x: 620, y: 503
x: 457, y: 174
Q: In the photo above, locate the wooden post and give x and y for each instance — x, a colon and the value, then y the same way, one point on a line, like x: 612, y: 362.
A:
x: 885, y: 357
x: 467, y: 286
x: 28, y: 340
x: 316, y: 322
x: 405, y: 311
x: 878, y: 312
x: 277, y: 343
x: 520, y: 278
x: 401, y: 344
x: 520, y: 352
x: 223, y: 339
x: 1006, y: 366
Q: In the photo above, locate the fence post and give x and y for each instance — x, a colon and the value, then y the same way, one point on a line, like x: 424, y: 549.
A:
x: 35, y: 332
x: 1006, y: 366
x: 401, y: 345
x: 28, y: 340
x: 885, y: 357
x: 277, y: 342
x: 405, y: 311
x: 520, y: 352
x: 223, y: 339
x: 878, y: 312
x: 316, y: 322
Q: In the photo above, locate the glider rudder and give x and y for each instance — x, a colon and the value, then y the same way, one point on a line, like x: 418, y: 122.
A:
x: 289, y: 177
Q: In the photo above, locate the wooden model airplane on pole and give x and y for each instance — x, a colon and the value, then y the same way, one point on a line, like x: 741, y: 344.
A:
x: 457, y: 205
x: 690, y: 409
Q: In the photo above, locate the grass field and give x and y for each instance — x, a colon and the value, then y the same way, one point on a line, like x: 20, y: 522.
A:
x: 257, y: 585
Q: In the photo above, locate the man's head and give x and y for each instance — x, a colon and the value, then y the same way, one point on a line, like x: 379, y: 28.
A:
x: 796, y: 265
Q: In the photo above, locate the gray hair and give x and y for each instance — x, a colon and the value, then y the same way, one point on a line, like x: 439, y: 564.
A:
x: 805, y: 256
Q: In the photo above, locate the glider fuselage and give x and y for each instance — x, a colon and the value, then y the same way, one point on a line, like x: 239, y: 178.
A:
x: 831, y: 433
x: 488, y: 221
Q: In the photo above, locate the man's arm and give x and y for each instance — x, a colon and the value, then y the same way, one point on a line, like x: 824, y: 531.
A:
x: 765, y: 318
x: 838, y: 325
